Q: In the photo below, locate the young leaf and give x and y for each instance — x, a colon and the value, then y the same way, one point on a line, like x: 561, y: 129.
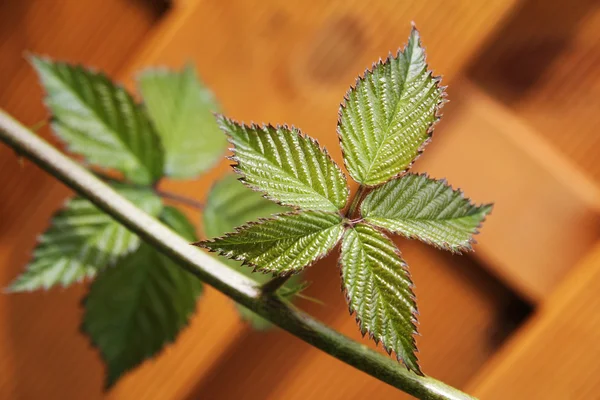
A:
x: 387, y: 118
x: 418, y: 207
x: 100, y: 121
x: 289, y: 167
x: 282, y: 245
x: 379, y: 291
x: 181, y: 109
x: 230, y: 204
x: 136, y: 307
x: 80, y: 241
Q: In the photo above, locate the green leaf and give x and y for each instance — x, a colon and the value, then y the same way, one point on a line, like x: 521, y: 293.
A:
x: 388, y: 117
x: 282, y: 245
x: 80, y: 241
x: 136, y: 307
x: 231, y: 204
x: 100, y: 121
x: 289, y: 167
x: 179, y: 223
x: 416, y: 206
x: 182, y: 109
x: 379, y: 290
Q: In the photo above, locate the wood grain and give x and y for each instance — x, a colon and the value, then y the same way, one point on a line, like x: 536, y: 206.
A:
x: 278, y: 62
x: 42, y: 354
x: 555, y: 356
x: 544, y: 65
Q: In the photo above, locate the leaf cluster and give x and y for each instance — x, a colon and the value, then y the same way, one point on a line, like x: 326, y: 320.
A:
x: 138, y: 301
x: 384, y: 123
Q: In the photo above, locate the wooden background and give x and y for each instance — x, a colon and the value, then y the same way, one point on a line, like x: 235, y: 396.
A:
x: 517, y: 320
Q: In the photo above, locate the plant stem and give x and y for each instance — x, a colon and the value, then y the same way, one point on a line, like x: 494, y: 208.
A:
x: 356, y: 201
x: 160, y: 193
x: 274, y: 284
x: 233, y: 284
x: 186, y: 201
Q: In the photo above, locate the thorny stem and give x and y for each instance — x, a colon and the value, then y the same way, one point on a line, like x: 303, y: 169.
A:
x: 228, y: 281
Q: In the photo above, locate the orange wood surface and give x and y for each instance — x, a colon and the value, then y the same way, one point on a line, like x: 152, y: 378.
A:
x: 555, y: 356
x: 287, y: 62
x: 42, y: 354
x: 547, y: 212
x: 544, y: 67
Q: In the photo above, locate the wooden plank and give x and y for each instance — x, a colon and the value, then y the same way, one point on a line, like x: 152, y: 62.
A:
x: 543, y: 65
x: 298, y: 60
x: 555, y: 356
x: 547, y: 213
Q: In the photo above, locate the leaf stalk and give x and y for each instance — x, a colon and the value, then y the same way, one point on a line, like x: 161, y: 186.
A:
x: 356, y: 201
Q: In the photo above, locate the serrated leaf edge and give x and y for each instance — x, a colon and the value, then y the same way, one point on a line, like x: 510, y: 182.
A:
x: 260, y: 221
x: 31, y: 58
x: 458, y: 250
x: 292, y: 128
x: 437, y: 115
x: 414, y: 321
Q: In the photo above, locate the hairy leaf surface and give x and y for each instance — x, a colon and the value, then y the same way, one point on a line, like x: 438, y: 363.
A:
x: 231, y: 204
x: 80, y: 241
x: 418, y: 207
x: 284, y: 244
x: 141, y: 304
x: 379, y: 291
x: 289, y: 167
x: 387, y: 118
x: 100, y: 121
x: 182, y: 109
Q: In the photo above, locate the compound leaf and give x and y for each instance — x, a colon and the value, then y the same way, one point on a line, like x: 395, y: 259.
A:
x: 282, y: 245
x: 379, y: 290
x: 231, y: 204
x: 100, y: 121
x: 417, y: 206
x: 141, y: 304
x: 387, y: 118
x: 80, y: 241
x: 181, y: 109
x: 289, y: 167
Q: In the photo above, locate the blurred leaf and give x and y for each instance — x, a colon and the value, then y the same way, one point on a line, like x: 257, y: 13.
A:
x: 100, y: 121
x: 231, y: 204
x: 177, y: 220
x: 282, y: 245
x: 289, y: 167
x: 136, y: 307
x: 182, y: 111
x: 387, y: 118
x: 80, y: 241
x: 418, y: 207
x: 379, y: 291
